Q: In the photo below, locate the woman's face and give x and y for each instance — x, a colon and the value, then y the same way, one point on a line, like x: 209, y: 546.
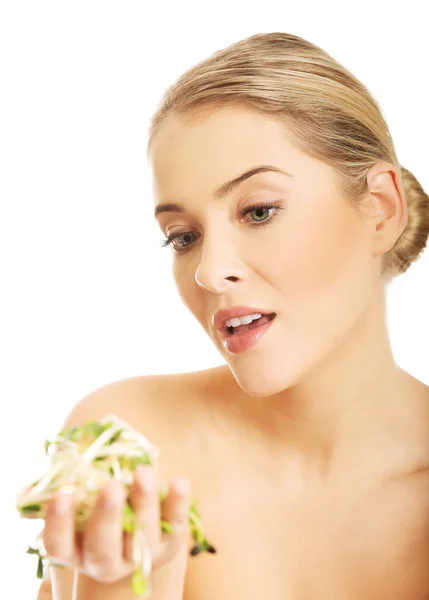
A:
x: 308, y: 258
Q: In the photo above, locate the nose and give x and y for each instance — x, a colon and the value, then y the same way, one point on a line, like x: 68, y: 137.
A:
x: 220, y: 267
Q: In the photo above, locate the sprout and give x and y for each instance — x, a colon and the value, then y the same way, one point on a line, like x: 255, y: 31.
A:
x: 82, y: 459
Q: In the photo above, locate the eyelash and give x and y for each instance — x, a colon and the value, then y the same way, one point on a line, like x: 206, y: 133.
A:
x: 169, y: 239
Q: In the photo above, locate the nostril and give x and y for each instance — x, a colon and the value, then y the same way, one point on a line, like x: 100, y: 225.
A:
x: 232, y: 278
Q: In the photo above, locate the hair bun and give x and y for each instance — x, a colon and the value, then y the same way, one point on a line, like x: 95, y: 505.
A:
x: 413, y: 240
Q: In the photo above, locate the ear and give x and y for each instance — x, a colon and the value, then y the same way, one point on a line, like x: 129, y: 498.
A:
x: 387, y: 196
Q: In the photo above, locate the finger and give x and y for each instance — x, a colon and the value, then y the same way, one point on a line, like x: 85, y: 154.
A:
x: 45, y: 589
x: 144, y: 498
x: 175, y: 510
x: 58, y: 533
x: 102, y: 543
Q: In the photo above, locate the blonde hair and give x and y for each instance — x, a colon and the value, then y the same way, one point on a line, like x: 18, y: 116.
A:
x: 329, y: 114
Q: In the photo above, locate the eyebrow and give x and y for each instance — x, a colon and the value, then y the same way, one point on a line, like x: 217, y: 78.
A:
x: 224, y: 189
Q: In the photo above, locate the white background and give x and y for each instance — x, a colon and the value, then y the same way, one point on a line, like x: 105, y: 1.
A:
x: 87, y: 295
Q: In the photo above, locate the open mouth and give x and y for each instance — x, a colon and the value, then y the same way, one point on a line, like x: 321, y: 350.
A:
x: 253, y: 325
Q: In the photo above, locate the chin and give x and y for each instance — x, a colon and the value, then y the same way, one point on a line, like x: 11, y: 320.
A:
x: 268, y: 376
x: 262, y: 382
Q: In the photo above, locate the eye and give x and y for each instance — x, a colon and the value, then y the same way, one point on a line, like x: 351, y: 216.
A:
x: 265, y: 213
x: 181, y: 237
x: 261, y: 211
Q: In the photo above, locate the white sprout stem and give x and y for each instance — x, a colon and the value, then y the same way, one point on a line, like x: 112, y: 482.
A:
x: 91, y: 452
x: 32, y: 492
x: 75, y: 583
x: 96, y: 449
x: 63, y: 441
x: 42, y: 497
x: 152, y: 449
x: 142, y: 557
x: 116, y: 469
x: 119, y: 449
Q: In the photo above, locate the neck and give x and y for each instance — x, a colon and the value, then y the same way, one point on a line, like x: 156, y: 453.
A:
x: 334, y: 405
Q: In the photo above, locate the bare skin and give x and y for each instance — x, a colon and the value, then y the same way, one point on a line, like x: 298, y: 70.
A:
x: 288, y: 528
x: 318, y: 410
x: 285, y: 527
x: 308, y: 453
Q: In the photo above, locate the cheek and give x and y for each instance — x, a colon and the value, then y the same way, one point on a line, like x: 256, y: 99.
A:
x: 189, y: 292
x: 183, y: 283
x: 322, y: 270
x: 325, y: 250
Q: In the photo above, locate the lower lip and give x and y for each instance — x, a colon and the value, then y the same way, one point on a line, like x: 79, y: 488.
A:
x: 240, y: 342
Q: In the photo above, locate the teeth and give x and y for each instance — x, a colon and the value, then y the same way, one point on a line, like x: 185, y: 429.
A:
x: 236, y: 322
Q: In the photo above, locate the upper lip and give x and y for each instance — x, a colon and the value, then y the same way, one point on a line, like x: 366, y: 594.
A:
x: 221, y: 316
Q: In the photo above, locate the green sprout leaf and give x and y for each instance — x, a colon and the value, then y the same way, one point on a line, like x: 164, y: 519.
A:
x: 138, y: 582
x: 93, y: 429
x: 132, y: 462
x: 40, y: 568
x: 135, y: 461
x: 193, y: 508
x: 163, y: 493
x: 31, y: 508
x: 114, y: 438
x: 72, y: 433
x: 166, y: 526
x: 128, y: 519
x: 75, y: 434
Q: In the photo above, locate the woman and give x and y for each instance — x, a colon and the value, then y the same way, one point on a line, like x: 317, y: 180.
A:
x: 278, y: 189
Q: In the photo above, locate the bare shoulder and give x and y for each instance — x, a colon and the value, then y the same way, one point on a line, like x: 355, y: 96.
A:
x: 169, y: 409
x: 414, y: 420
x: 152, y: 393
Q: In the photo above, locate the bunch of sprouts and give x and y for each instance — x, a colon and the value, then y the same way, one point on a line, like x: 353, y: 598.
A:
x: 82, y: 459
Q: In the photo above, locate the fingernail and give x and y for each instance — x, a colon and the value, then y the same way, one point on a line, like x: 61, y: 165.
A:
x: 146, y: 479
x: 62, y: 503
x: 112, y: 498
x: 182, y: 485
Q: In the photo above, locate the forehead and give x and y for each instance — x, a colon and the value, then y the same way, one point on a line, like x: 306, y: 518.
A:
x: 199, y: 152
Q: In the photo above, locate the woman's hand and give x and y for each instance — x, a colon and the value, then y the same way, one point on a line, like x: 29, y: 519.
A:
x: 45, y: 589
x: 104, y: 551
